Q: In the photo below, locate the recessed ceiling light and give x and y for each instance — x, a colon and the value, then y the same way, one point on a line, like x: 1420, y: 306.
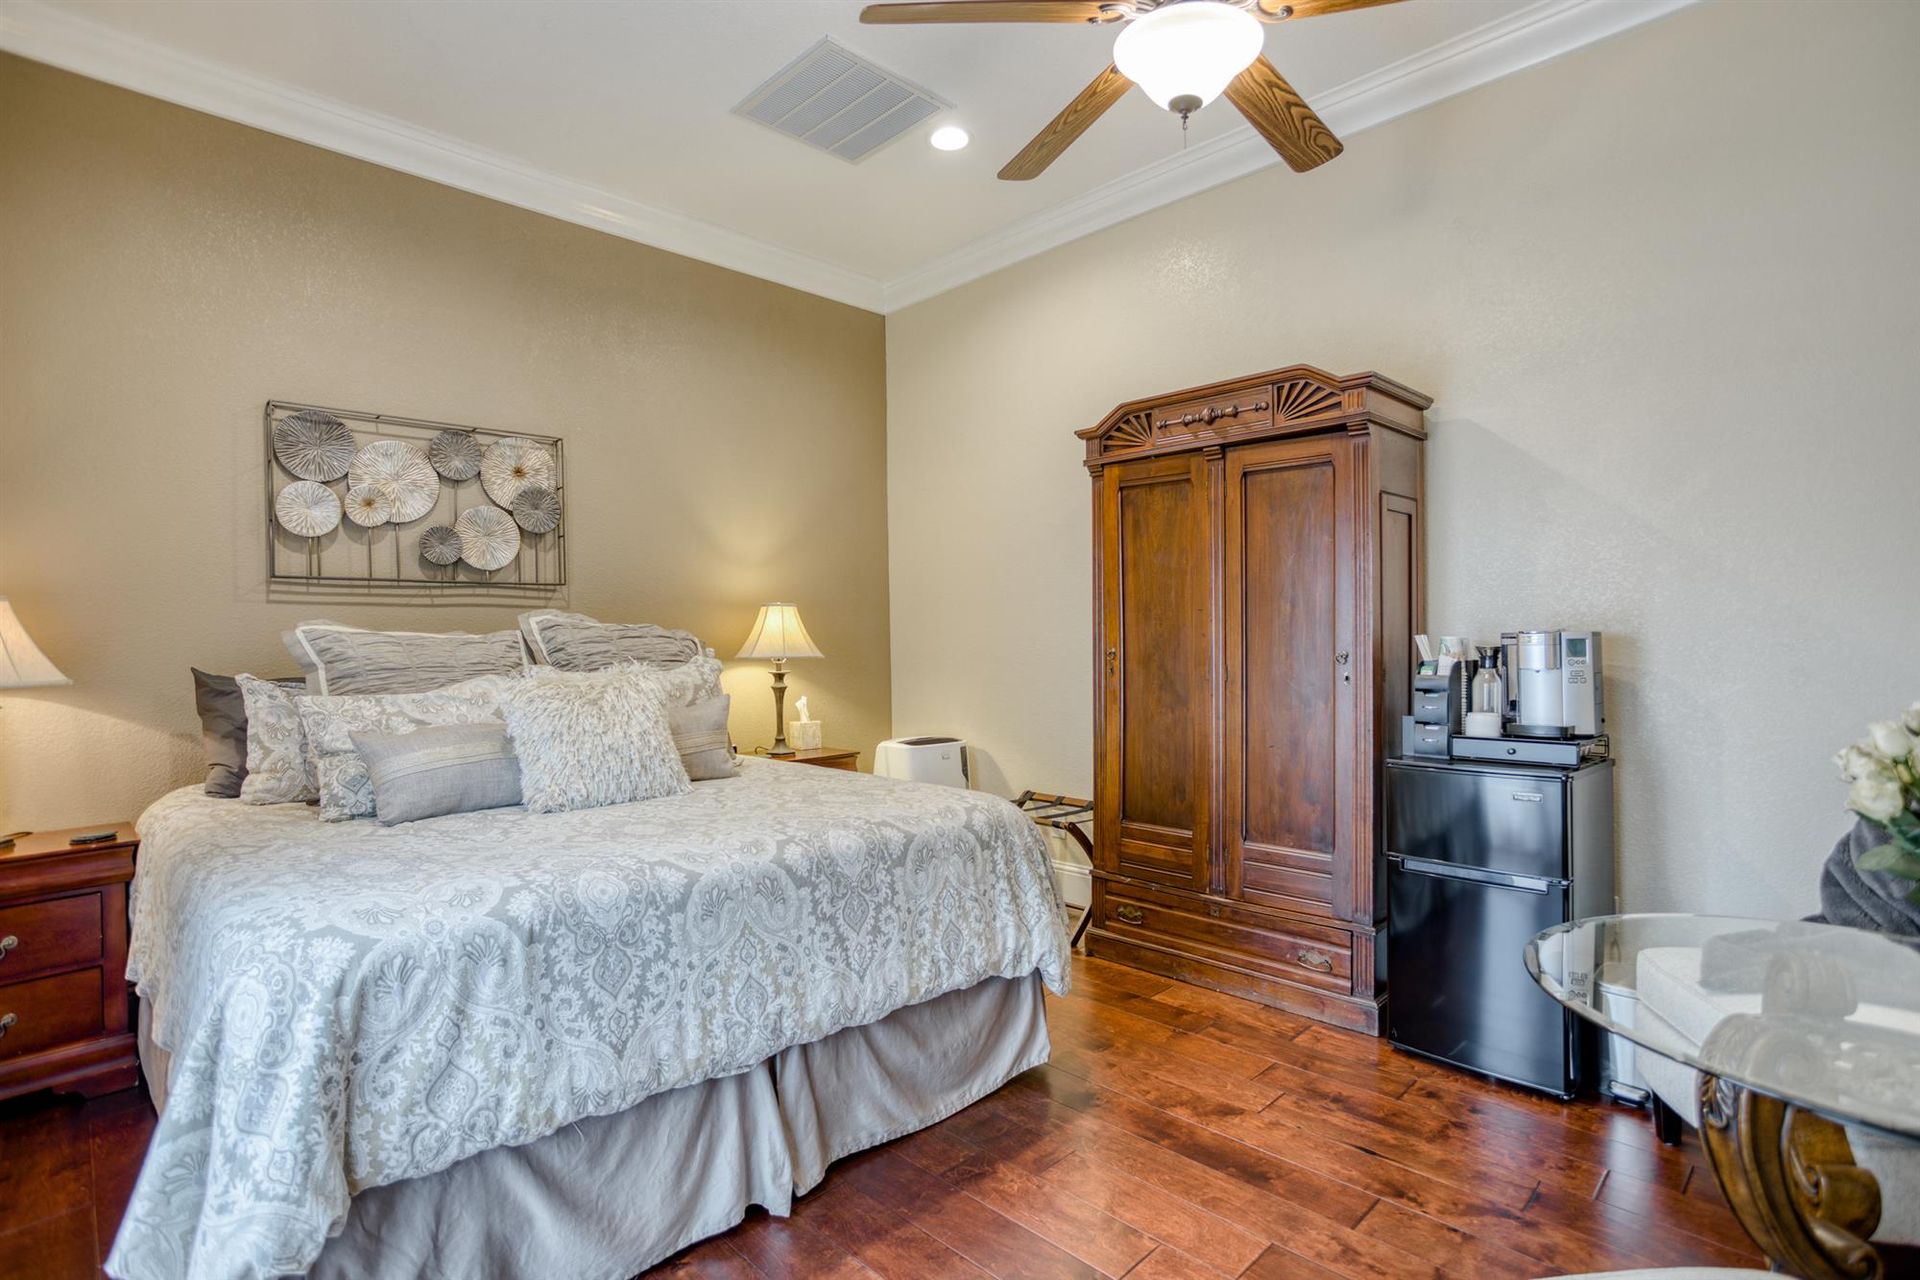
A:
x: 949, y: 137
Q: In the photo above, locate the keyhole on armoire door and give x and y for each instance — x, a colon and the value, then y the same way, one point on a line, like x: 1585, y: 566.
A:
x: 1113, y: 657
x: 1340, y: 660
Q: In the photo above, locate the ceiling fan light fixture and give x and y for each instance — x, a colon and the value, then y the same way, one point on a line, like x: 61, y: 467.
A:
x: 1188, y: 52
x: 949, y: 137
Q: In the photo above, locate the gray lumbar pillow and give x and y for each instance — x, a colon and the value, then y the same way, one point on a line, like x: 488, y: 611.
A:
x: 700, y: 736
x: 441, y: 769
x: 223, y: 729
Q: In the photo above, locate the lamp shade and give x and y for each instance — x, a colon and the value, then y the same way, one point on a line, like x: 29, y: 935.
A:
x: 22, y: 665
x: 779, y: 633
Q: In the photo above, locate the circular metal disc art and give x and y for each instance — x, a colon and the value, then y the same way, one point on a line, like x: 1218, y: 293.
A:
x: 455, y: 455
x: 439, y: 545
x: 313, y: 445
x: 489, y: 539
x: 537, y: 509
x: 307, y: 509
x: 512, y: 465
x: 411, y: 483
x: 369, y: 505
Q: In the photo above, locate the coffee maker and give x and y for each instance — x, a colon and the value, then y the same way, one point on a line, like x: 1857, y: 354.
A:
x: 1553, y: 683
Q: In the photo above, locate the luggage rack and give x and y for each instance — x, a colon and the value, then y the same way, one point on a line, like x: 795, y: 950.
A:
x: 1071, y: 815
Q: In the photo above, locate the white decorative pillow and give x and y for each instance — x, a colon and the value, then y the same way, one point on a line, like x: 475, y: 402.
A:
x: 277, y: 767
x: 330, y: 721
x: 591, y: 740
x: 680, y: 685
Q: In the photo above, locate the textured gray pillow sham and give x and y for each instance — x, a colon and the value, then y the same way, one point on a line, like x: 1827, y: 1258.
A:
x: 438, y: 770
x: 340, y: 659
x: 591, y: 740
x: 700, y: 736
x: 575, y: 642
x: 223, y: 729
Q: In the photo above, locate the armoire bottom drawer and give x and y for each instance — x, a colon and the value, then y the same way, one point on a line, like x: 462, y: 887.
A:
x: 1228, y: 933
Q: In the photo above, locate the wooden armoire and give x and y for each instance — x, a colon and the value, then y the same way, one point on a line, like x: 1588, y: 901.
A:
x: 1257, y: 550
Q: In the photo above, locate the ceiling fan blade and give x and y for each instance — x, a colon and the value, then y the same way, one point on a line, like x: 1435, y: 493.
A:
x: 1282, y: 117
x: 999, y: 11
x: 1107, y: 88
x: 1280, y: 10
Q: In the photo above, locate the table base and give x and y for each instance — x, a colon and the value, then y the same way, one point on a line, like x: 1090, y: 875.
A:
x: 1790, y: 1179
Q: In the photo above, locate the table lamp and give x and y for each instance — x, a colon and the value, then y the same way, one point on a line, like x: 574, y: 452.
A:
x: 778, y: 634
x: 23, y: 666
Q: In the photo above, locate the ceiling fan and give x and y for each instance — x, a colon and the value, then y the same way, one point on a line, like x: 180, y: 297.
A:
x: 1183, y: 53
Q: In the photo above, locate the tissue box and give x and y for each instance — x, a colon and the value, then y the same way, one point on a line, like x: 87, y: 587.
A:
x: 803, y: 735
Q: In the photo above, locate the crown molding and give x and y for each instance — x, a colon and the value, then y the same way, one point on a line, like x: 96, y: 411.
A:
x: 36, y: 30
x: 1466, y: 61
x: 46, y: 34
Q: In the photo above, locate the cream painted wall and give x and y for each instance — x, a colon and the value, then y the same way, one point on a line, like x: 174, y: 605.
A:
x: 1663, y: 292
x: 164, y: 273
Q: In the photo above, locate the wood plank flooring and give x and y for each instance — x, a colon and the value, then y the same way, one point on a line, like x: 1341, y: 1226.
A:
x: 1176, y: 1133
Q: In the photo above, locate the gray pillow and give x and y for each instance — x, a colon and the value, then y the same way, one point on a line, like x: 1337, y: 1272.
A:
x: 342, y: 659
x: 223, y: 729
x: 700, y: 735
x: 575, y: 642
x: 441, y: 769
x: 329, y: 722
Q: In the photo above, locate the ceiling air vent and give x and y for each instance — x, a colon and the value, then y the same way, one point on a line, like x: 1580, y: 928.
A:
x: 838, y: 102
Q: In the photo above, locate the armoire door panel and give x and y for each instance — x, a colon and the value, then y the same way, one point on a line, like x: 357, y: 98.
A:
x: 1290, y: 668
x: 1157, y: 767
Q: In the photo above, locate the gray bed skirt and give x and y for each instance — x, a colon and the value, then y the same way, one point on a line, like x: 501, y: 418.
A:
x: 608, y: 1197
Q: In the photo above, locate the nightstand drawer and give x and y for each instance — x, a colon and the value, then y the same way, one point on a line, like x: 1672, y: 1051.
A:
x: 49, y: 1011
x: 55, y: 934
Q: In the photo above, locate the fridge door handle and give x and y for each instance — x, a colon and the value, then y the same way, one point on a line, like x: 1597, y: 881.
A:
x: 1498, y: 879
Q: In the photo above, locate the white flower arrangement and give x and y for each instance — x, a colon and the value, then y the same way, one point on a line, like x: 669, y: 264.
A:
x: 1884, y: 772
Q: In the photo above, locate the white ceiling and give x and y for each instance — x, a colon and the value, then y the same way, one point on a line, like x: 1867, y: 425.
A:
x: 617, y: 114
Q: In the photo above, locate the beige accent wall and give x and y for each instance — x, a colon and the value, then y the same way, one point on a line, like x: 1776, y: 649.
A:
x: 1663, y: 292
x: 164, y: 273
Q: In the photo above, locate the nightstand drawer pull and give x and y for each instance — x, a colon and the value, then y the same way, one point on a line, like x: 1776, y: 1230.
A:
x: 6, y: 1020
x: 7, y: 944
x: 1130, y: 914
x: 1316, y: 960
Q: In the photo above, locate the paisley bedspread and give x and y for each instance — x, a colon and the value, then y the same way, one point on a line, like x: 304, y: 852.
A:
x: 349, y: 1005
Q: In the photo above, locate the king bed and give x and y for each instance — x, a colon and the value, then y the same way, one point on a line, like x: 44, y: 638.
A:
x: 512, y: 1044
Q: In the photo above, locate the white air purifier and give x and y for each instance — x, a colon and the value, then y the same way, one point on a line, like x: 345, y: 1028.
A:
x: 937, y: 760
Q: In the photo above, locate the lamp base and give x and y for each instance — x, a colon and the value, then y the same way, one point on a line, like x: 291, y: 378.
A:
x: 780, y: 750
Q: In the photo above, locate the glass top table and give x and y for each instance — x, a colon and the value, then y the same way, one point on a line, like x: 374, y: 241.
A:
x: 1822, y: 1017
x: 1807, y: 1041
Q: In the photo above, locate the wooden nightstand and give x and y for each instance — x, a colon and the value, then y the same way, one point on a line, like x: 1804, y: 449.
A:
x: 63, y: 963
x: 826, y: 757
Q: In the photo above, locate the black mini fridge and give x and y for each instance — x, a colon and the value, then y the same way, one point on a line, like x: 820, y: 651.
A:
x: 1480, y: 858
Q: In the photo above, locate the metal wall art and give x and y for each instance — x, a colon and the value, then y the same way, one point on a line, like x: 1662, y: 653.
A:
x: 423, y: 502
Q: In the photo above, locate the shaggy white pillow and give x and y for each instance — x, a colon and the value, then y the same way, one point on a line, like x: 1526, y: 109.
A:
x: 591, y: 740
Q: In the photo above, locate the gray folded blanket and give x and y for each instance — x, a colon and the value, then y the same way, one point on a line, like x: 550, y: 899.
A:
x: 1860, y: 899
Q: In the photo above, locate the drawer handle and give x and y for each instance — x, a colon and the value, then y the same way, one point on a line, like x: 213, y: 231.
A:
x: 6, y: 1020
x: 1316, y: 960
x: 1132, y: 915
x: 7, y: 944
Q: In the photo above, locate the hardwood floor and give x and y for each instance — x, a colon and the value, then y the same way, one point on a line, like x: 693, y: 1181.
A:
x: 1176, y: 1133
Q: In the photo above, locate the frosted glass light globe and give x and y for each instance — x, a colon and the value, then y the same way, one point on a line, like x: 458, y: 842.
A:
x: 1188, y: 50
